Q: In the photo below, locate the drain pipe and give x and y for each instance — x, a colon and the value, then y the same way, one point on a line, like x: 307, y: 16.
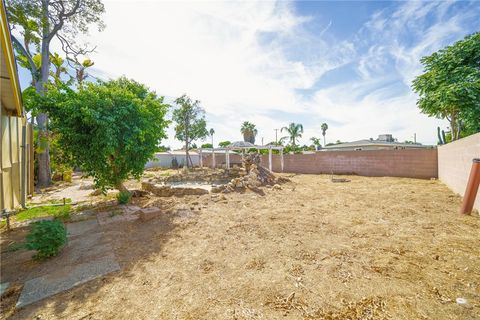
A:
x: 472, y: 187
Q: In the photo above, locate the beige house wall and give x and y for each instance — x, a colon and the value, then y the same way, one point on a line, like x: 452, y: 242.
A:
x: 455, y: 162
x: 12, y: 168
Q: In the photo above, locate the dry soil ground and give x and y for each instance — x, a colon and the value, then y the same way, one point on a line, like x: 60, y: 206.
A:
x: 372, y: 248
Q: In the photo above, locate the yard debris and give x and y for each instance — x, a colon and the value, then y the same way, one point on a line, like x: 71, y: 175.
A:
x: 161, y: 190
x: 139, y: 193
x: 365, y: 309
x: 253, y: 176
x: 287, y: 304
x: 337, y: 180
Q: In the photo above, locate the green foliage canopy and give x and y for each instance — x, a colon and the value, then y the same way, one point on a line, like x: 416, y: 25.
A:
x: 190, y: 122
x: 449, y: 88
x: 110, y: 129
x: 224, y: 144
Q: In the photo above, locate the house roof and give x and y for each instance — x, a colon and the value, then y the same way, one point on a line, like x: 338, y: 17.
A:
x: 378, y: 143
x: 10, y: 93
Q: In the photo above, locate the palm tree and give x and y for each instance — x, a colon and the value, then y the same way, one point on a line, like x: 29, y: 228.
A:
x: 211, y: 132
x: 249, y: 132
x: 294, y: 131
x: 324, y: 127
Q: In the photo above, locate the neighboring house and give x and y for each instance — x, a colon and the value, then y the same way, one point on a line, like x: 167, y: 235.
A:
x: 164, y: 159
x: 16, y: 151
x: 383, y: 142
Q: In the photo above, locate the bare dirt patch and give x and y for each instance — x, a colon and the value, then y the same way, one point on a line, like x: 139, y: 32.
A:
x: 373, y: 248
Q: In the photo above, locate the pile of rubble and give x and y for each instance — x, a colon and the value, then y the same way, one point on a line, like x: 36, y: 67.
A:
x: 252, y: 176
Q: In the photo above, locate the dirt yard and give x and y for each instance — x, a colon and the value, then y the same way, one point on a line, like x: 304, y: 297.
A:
x: 372, y: 248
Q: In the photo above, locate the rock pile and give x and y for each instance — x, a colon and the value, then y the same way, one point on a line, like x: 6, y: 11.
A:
x: 252, y: 175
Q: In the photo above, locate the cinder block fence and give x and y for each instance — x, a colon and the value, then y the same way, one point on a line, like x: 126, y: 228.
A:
x: 451, y: 163
x: 411, y: 163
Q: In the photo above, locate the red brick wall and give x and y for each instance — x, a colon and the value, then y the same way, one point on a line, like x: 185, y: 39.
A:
x: 411, y: 163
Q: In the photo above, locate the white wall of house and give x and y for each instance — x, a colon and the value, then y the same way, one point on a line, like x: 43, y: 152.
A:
x: 164, y: 159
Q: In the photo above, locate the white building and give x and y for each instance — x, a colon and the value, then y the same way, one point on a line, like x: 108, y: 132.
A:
x: 165, y: 159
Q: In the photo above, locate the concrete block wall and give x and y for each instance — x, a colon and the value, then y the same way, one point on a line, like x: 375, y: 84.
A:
x: 411, y: 163
x: 455, y: 162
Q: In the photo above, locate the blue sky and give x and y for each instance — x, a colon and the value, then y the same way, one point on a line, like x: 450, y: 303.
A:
x: 347, y: 63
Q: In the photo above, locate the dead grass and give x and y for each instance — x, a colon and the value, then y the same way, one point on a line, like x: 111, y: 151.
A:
x: 372, y: 248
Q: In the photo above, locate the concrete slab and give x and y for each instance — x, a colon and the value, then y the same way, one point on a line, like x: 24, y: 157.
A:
x: 65, y: 278
x: 119, y: 213
x: 79, y: 228
x: 3, y: 287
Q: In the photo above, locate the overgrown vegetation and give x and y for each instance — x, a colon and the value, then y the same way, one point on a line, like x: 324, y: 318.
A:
x: 46, y: 237
x: 109, y: 129
x: 449, y: 88
x: 124, y: 197
x: 38, y: 23
x: 57, y: 211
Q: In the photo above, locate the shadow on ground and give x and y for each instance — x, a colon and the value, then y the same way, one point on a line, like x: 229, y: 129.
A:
x: 132, y: 242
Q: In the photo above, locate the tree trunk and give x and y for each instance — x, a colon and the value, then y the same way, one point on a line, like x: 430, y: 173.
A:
x: 44, y: 174
x: 324, y: 143
x: 454, y: 129
x: 187, y: 154
x: 120, y: 187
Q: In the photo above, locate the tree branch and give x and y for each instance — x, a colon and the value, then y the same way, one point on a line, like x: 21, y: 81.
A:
x: 26, y: 53
x: 62, y: 16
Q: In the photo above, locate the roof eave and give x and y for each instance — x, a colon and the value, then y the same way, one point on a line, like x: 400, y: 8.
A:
x: 7, y: 48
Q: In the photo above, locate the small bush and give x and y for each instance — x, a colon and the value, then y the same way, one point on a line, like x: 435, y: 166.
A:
x: 47, y: 238
x: 124, y: 197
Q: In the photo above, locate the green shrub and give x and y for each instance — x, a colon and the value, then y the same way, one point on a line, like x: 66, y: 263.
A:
x: 47, y: 237
x: 124, y: 197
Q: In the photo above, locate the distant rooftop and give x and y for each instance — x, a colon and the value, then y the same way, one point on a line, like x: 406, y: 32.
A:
x: 384, y: 141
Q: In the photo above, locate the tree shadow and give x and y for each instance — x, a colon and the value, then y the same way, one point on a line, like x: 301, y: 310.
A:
x: 133, y: 242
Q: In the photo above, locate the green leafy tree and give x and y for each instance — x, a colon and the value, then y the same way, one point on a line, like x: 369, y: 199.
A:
x: 449, y: 88
x: 224, y: 144
x: 163, y: 149
x: 190, y: 122
x: 81, y: 68
x: 324, y: 128
x: 207, y: 146
x: 38, y: 23
x: 294, y: 131
x: 109, y: 129
x: 249, y: 132
x: 316, y: 142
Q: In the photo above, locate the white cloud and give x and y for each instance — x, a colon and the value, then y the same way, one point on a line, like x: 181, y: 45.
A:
x: 246, y: 61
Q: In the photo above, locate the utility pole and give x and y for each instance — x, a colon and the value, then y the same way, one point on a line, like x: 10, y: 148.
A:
x: 414, y: 138
x: 276, y: 136
x: 262, y: 142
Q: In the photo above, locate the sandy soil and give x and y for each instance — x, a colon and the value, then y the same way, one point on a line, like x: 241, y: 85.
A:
x: 372, y: 248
